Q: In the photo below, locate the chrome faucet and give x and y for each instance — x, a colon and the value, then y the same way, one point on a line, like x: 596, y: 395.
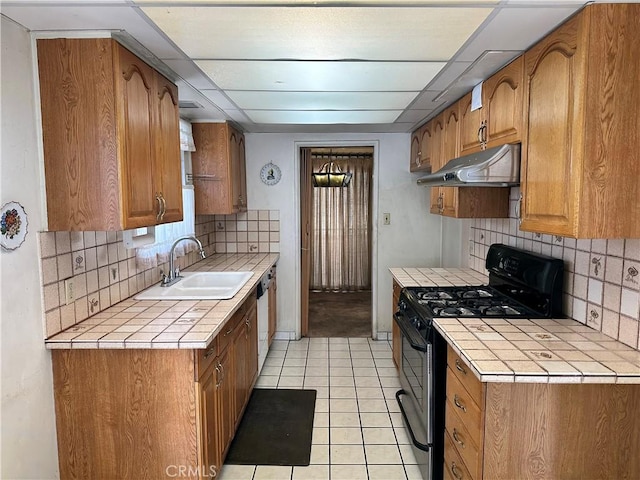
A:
x: 174, y: 274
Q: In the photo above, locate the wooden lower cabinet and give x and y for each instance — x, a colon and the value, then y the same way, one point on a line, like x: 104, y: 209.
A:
x: 273, y: 305
x: 154, y: 413
x: 396, y: 339
x: 539, y: 430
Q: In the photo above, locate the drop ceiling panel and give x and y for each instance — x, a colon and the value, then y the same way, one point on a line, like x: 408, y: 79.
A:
x: 220, y: 99
x: 35, y: 16
x: 515, y: 28
x: 414, y: 116
x: 321, y: 100
x: 323, y: 117
x: 330, y: 33
x: 320, y: 76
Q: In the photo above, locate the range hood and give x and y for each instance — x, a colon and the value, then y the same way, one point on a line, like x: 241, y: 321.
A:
x: 496, y: 167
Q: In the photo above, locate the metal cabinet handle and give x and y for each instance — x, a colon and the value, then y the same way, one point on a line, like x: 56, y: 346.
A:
x: 459, y: 367
x: 164, y: 206
x: 480, y: 133
x: 418, y: 156
x: 208, y: 353
x: 159, y: 214
x: 228, y: 332
x: 219, y: 382
x: 456, y: 401
x: 519, y: 209
x: 457, y: 438
x: 454, y: 471
x: 441, y: 202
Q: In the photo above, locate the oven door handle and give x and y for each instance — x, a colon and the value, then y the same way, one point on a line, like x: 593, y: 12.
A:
x: 420, y: 445
x: 410, y: 332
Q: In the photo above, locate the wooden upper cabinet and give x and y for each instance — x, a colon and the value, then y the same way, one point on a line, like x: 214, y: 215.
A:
x: 450, y: 149
x: 168, y: 169
x: 502, y: 99
x: 218, y: 169
x: 414, y: 161
x: 461, y: 202
x: 500, y: 119
x: 470, y: 124
x: 422, y: 149
x: 111, y: 140
x: 437, y: 130
x: 580, y: 173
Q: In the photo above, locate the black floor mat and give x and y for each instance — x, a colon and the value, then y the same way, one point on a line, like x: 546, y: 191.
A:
x: 276, y: 429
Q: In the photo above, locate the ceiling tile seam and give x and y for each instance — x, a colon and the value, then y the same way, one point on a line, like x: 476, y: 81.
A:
x: 312, y: 4
x: 309, y: 60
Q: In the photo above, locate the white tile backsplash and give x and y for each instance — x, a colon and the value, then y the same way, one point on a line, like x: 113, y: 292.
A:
x: 602, y: 277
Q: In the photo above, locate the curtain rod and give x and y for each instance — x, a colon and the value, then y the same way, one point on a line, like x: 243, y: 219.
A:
x: 339, y: 155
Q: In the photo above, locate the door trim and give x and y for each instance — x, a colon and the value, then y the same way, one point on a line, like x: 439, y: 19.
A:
x: 374, y: 224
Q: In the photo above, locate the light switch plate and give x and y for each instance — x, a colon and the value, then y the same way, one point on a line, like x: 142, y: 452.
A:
x: 386, y: 218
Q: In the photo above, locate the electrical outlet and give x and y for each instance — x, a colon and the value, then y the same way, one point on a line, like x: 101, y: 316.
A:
x: 386, y: 218
x: 69, y: 291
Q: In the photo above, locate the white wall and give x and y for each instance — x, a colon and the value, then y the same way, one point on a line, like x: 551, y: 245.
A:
x: 455, y: 247
x: 27, y: 412
x: 412, y: 239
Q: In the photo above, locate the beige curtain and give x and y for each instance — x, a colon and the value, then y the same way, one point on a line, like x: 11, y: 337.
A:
x: 341, y: 239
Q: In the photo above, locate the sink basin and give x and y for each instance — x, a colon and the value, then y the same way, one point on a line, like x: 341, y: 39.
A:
x: 199, y: 286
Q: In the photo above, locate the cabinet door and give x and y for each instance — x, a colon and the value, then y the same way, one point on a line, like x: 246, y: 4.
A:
x: 135, y: 94
x: 414, y: 159
x: 435, y: 153
x: 209, y: 408
x: 251, y: 323
x: 548, y: 186
x: 396, y: 339
x: 168, y: 168
x: 226, y: 418
x: 450, y: 136
x: 273, y: 307
x: 234, y: 163
x: 470, y: 123
x: 211, y: 169
x: 502, y: 102
x: 242, y: 164
x: 426, y: 147
x: 241, y: 370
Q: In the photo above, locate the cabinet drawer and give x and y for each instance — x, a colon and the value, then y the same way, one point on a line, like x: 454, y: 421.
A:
x: 461, y: 440
x: 205, y: 357
x: 464, y: 374
x: 453, y: 464
x: 464, y: 406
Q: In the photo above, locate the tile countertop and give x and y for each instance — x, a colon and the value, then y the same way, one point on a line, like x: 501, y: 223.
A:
x: 167, y: 323
x: 526, y: 350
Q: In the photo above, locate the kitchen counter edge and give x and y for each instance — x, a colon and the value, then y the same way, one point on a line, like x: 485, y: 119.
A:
x: 538, y: 360
x: 168, y: 324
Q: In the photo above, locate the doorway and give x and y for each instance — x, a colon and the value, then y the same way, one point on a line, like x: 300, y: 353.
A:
x: 336, y: 252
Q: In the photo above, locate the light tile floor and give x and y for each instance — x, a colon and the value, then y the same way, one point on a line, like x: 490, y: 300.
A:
x: 358, y: 432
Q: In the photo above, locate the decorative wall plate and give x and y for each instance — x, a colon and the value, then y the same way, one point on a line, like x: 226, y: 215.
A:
x: 13, y: 225
x: 270, y: 174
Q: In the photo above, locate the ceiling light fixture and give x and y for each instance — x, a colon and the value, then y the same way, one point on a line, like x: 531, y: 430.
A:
x: 330, y: 175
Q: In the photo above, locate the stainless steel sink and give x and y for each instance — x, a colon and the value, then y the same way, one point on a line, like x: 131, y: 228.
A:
x: 199, y: 286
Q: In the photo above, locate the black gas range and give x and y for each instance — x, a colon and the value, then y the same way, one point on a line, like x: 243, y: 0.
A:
x: 521, y: 284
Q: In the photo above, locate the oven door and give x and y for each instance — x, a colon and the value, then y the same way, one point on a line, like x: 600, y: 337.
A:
x: 414, y: 399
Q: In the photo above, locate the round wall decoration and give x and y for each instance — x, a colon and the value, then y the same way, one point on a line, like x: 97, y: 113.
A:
x: 270, y: 174
x: 13, y: 225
